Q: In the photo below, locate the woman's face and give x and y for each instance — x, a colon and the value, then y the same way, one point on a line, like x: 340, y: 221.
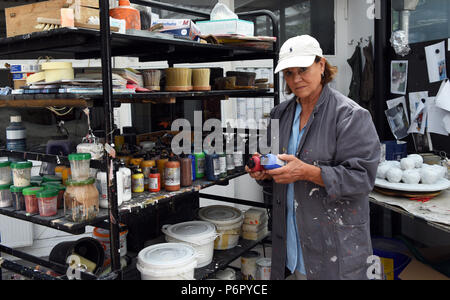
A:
x: 305, y: 82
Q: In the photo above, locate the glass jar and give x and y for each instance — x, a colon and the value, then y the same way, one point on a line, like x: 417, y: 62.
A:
x: 18, y: 200
x: 79, y: 165
x: 47, y: 202
x: 21, y: 173
x: 5, y: 172
x: 81, y: 200
x: 31, y: 203
x: 5, y: 195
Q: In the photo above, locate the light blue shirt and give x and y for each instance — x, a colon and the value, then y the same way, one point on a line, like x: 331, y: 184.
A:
x: 294, y: 259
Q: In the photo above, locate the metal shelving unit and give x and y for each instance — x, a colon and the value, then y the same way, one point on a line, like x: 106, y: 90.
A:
x: 83, y: 44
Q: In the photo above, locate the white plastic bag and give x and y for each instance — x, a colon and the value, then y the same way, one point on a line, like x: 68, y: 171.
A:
x: 222, y: 12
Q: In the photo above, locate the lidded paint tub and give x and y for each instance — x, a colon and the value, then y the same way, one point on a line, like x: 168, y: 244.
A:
x: 5, y: 172
x: 228, y: 221
x: 61, y: 190
x: 31, y: 202
x: 18, y: 199
x: 263, y: 268
x: 5, y: 195
x: 248, y: 265
x: 79, y: 165
x: 102, y: 235
x: 198, y: 234
x: 47, y: 202
x: 167, y: 261
x: 21, y: 171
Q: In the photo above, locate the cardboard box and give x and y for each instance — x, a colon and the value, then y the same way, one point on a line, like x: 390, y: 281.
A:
x: 416, y: 270
x: 23, y: 19
x: 179, y: 27
x: 231, y: 26
x: 19, y: 68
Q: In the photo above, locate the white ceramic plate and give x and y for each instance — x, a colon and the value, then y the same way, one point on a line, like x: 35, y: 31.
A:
x: 441, y: 185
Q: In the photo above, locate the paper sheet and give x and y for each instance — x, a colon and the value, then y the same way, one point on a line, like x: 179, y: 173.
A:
x: 435, y: 117
x: 394, y: 102
x: 418, y: 112
x: 437, y: 67
x: 443, y: 95
x: 399, y: 76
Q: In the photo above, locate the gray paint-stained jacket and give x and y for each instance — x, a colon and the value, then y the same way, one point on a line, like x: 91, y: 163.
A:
x: 333, y: 221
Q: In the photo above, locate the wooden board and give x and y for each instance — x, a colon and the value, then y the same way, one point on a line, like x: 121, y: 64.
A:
x: 22, y: 19
x: 410, y: 195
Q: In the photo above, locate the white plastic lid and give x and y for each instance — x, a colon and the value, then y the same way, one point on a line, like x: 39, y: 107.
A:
x: 193, y: 231
x: 15, y: 119
x: 167, y: 255
x: 264, y: 262
x: 220, y: 214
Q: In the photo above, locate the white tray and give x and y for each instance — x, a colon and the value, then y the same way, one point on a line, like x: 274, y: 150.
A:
x: 441, y: 185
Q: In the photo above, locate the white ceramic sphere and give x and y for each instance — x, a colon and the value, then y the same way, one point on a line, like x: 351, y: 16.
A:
x: 429, y: 175
x: 418, y: 160
x: 394, y: 175
x: 407, y: 163
x: 411, y: 177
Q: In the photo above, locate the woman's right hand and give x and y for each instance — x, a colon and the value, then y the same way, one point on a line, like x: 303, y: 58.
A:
x: 259, y: 175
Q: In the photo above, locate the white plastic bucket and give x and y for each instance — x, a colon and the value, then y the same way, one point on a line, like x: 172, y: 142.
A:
x: 198, y: 234
x: 263, y: 268
x: 167, y: 261
x: 102, y: 235
x: 228, y: 221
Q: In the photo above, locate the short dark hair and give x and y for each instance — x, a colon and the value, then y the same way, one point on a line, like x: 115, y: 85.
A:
x: 329, y: 74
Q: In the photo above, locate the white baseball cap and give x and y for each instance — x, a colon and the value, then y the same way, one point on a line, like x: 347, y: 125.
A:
x: 298, y: 52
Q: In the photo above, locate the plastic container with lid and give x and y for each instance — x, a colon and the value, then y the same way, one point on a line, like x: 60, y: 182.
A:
x: 61, y: 188
x: 18, y: 199
x: 212, y: 167
x: 223, y: 165
x: 5, y: 195
x: 36, y: 180
x: 125, y: 12
x: 66, y: 174
x: 51, y: 178
x: 146, y: 165
x: 263, y: 268
x: 186, y: 171
x: 81, y: 200
x: 160, y: 164
x: 137, y: 182
x: 238, y: 158
x: 172, y: 175
x: 228, y: 221
x: 31, y: 203
x: 154, y: 183
x: 79, y: 165
x: 102, y: 235
x: 21, y: 173
x: 125, y: 175
x: 192, y: 157
x: 47, y: 202
x: 167, y: 261
x: 199, y: 165
x: 16, y: 135
x: 5, y: 172
x: 59, y: 171
x: 198, y: 234
x: 248, y: 265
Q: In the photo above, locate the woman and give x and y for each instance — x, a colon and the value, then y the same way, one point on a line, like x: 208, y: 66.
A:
x: 320, y: 197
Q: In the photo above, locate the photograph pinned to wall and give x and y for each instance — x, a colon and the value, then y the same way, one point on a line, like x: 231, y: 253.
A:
x: 398, y: 121
x: 443, y: 95
x: 421, y: 143
x: 394, y: 102
x: 399, y: 76
x: 436, y: 115
x: 436, y: 64
x: 417, y: 107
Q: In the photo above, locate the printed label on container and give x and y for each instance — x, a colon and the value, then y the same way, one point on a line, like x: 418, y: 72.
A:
x: 153, y: 183
x: 223, y: 164
x: 216, y: 166
x: 238, y: 160
x: 15, y: 134
x: 138, y: 185
x: 201, y: 166
x: 172, y: 176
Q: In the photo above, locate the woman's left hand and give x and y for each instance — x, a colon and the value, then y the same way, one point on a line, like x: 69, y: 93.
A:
x: 293, y: 171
